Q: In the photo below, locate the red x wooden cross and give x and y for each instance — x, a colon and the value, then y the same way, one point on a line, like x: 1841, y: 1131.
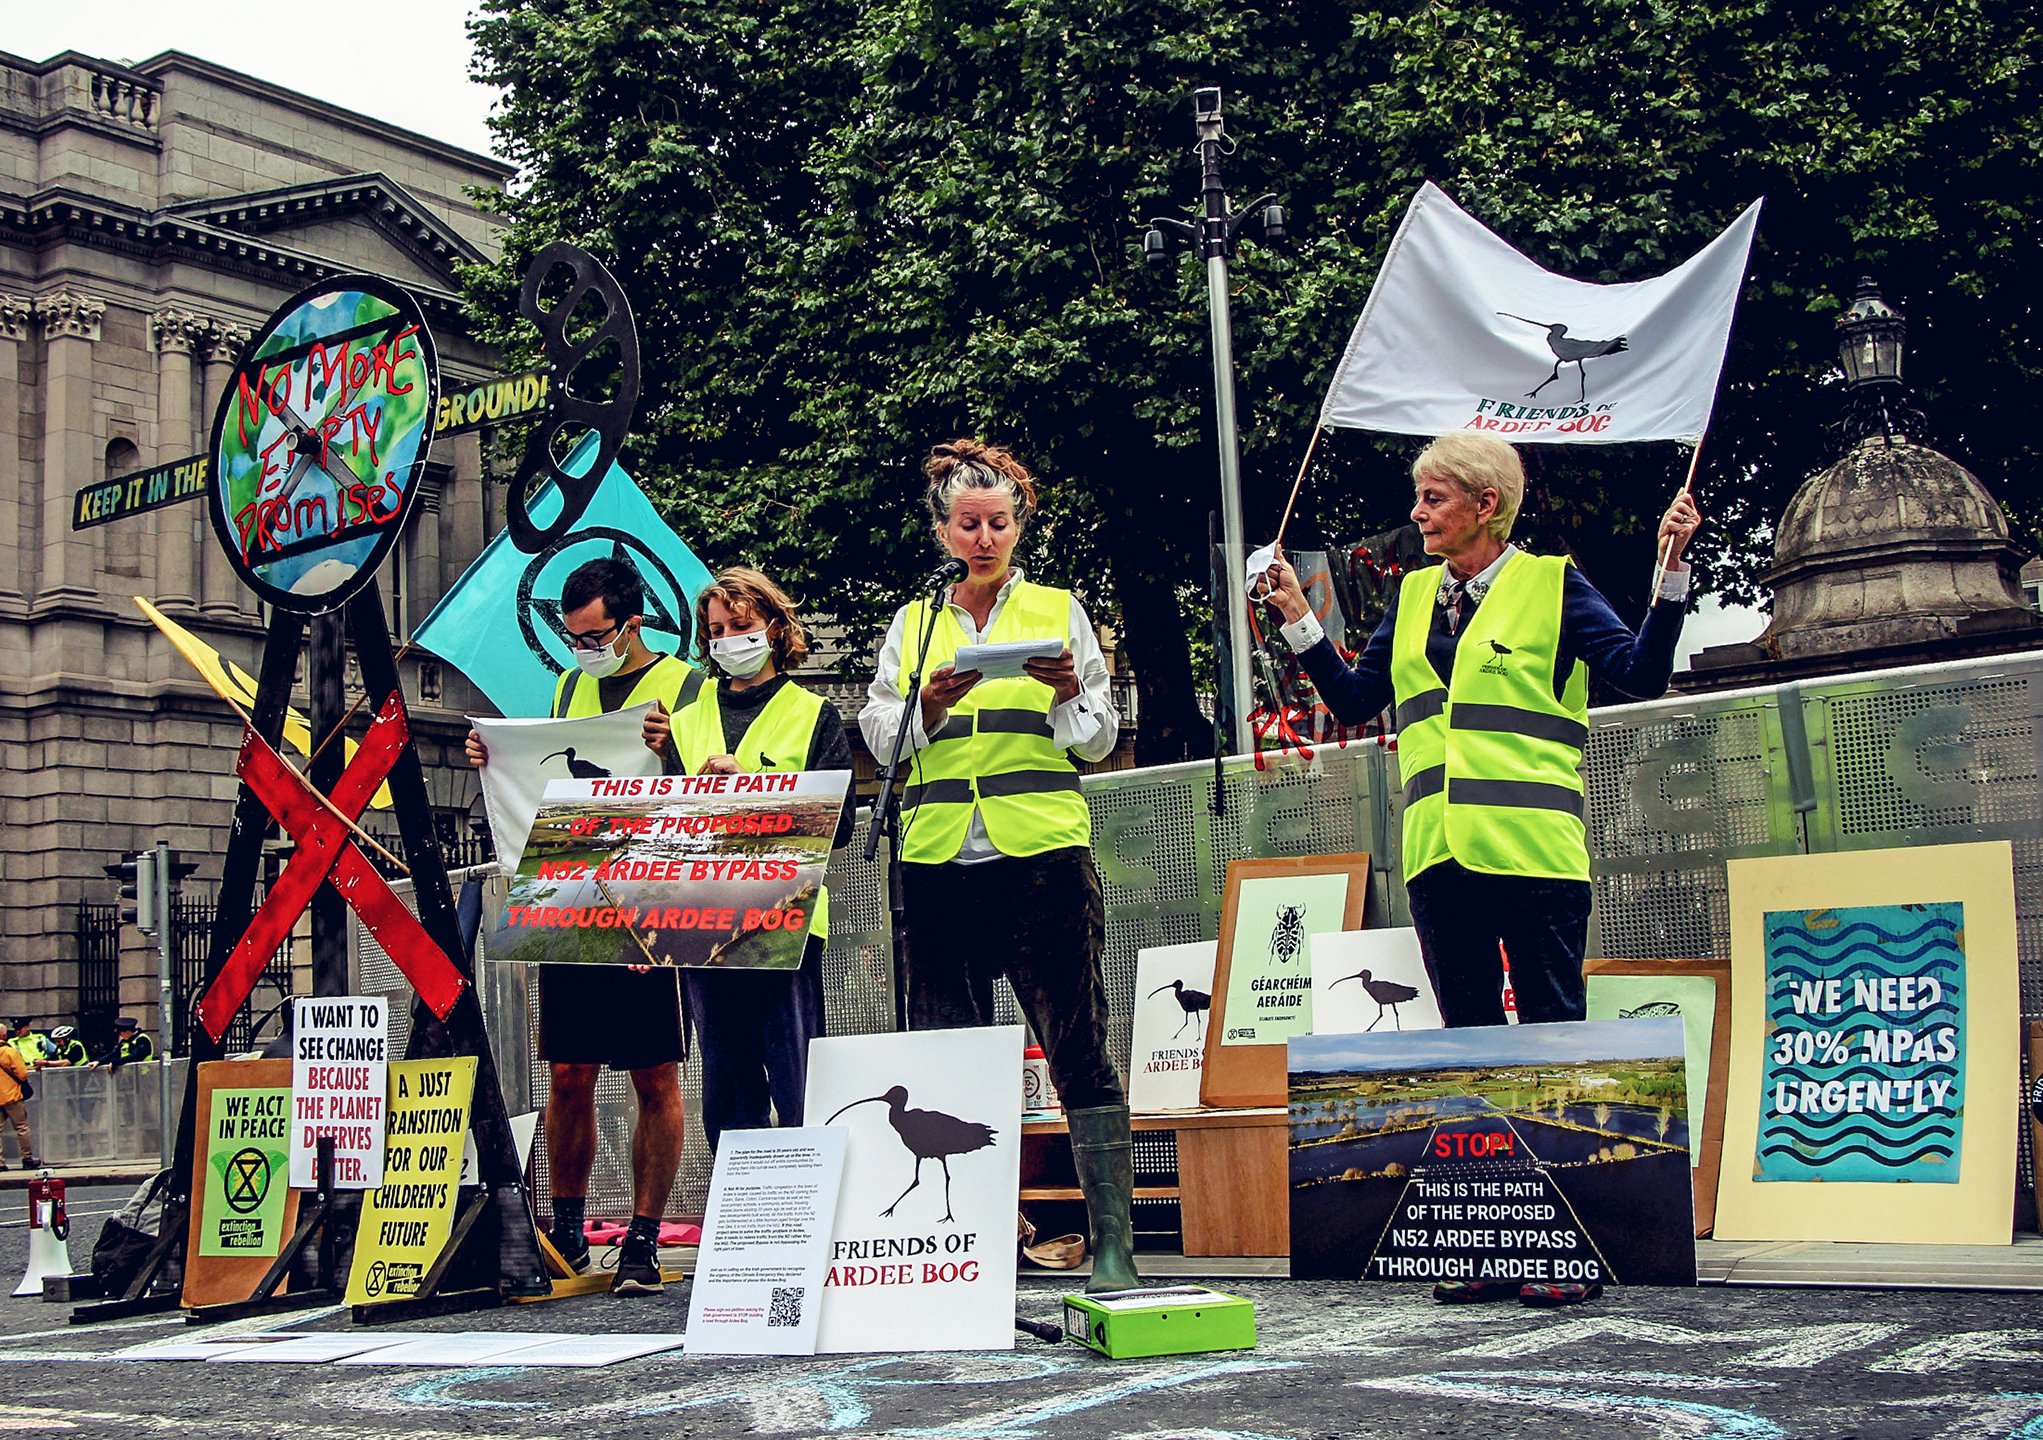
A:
x: 326, y: 846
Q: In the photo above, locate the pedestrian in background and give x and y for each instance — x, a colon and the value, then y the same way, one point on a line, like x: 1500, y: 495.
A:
x: 14, y: 1092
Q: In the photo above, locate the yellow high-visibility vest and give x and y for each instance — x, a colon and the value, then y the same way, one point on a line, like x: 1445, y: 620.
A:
x: 994, y: 751
x: 1491, y: 764
x: 778, y: 738
x: 672, y: 682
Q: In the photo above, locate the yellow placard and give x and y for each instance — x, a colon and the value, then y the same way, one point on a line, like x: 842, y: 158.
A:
x: 231, y: 682
x: 406, y: 1221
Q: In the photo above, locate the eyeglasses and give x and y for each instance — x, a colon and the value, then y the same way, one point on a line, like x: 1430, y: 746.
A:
x: 596, y: 639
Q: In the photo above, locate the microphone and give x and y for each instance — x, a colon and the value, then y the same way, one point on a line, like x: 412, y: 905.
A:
x: 951, y: 570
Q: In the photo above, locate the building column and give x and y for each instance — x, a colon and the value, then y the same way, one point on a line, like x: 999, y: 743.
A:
x: 16, y: 517
x: 223, y: 591
x: 462, y: 507
x: 70, y: 452
x: 179, y: 528
x: 425, y: 585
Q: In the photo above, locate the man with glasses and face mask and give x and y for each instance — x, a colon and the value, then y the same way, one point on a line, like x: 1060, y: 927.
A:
x: 625, y: 1018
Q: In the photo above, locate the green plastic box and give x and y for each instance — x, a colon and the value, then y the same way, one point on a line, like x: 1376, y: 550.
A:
x: 1181, y: 1320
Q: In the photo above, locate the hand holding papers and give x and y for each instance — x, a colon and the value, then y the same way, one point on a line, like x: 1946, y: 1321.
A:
x: 1005, y: 660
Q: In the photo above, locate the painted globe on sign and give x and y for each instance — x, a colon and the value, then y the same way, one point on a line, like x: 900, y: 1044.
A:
x: 321, y: 439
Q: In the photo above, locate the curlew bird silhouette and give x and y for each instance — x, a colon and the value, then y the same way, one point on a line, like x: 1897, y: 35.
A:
x: 580, y: 769
x: 1192, y: 1002
x: 929, y: 1135
x: 1387, y: 994
x: 1569, y: 352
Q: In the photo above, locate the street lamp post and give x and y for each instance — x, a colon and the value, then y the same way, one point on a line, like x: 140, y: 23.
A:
x: 1870, y: 346
x: 1214, y: 238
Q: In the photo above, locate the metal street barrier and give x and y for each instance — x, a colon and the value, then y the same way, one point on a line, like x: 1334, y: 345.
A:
x: 99, y: 1117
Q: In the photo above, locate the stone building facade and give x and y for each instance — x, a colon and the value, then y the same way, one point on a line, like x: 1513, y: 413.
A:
x: 151, y: 216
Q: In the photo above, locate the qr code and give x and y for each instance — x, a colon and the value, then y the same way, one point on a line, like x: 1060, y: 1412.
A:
x: 786, y: 1309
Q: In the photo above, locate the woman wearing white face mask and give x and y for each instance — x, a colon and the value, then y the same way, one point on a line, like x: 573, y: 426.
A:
x: 753, y: 1027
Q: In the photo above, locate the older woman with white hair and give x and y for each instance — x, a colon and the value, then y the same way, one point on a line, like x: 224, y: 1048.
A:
x: 996, y: 846
x: 1486, y: 656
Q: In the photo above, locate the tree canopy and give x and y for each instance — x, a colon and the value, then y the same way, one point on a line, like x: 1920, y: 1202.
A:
x: 851, y: 232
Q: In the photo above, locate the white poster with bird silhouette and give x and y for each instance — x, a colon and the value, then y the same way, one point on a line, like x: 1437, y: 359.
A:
x: 922, y: 1254
x: 525, y: 754
x: 1173, y: 992
x: 1462, y: 332
x: 1367, y: 981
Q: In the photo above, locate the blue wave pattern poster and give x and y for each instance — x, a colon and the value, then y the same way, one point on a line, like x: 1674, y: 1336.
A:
x: 1865, y: 1045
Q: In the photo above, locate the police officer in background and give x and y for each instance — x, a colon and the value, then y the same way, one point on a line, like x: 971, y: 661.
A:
x: 130, y: 1045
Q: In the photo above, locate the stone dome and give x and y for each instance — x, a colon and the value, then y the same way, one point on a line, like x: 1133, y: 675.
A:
x: 1894, y: 545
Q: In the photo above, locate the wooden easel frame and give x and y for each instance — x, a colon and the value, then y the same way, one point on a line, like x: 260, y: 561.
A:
x: 1251, y: 1076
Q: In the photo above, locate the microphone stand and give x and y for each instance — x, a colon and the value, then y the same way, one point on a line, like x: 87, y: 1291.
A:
x: 887, y: 817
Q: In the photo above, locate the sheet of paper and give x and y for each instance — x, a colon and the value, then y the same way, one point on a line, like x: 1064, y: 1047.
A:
x: 311, y: 1349
x: 1005, y: 659
x: 219, y: 1347
x: 523, y: 1128
x: 525, y: 754
x: 460, y: 1347
x: 591, y: 1351
x: 766, y: 1242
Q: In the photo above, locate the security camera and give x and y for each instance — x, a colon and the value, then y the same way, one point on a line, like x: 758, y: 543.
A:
x: 1206, y: 103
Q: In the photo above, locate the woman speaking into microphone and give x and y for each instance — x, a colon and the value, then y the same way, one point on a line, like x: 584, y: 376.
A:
x: 996, y: 839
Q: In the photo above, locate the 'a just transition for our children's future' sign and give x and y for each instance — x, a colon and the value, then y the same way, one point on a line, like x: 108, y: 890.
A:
x: 674, y: 870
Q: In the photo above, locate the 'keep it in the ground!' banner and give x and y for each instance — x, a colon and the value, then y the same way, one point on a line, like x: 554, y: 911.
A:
x: 674, y: 870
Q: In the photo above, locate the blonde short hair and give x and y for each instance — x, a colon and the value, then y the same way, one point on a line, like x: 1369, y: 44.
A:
x: 1474, y: 463
x: 740, y: 587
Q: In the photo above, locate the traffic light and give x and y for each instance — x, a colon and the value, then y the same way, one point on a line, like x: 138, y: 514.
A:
x: 137, y: 874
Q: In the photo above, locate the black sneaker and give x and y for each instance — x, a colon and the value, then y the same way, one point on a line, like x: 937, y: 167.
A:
x: 574, y: 1249
x: 638, y: 1268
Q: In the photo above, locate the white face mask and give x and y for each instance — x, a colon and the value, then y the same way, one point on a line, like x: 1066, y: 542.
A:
x: 603, y: 660
x: 742, y: 656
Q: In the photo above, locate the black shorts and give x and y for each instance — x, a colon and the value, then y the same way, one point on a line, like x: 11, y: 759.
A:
x: 609, y: 1015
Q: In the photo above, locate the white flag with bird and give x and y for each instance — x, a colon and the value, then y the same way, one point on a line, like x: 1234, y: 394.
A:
x: 1461, y: 332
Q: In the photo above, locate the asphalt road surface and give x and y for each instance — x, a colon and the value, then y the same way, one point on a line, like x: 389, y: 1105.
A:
x: 1334, y: 1360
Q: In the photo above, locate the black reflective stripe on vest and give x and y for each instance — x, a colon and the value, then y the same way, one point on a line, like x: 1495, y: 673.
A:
x: 991, y: 787
x: 1028, y: 782
x: 1427, y: 782
x: 1510, y: 720
x: 1421, y: 707
x: 958, y: 727
x: 1517, y: 795
x: 1014, y: 722
x: 567, y: 693
x: 938, y: 792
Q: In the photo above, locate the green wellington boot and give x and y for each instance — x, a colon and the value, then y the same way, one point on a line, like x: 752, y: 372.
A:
x: 1103, y: 1150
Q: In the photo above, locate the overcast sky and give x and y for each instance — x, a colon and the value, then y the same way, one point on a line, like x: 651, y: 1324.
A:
x: 401, y: 61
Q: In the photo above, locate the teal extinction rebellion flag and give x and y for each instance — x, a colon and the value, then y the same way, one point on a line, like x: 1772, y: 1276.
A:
x: 500, y: 625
